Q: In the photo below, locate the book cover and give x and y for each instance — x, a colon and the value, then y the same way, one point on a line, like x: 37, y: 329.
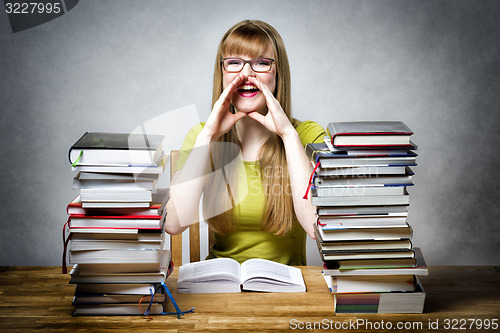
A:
x: 369, y: 234
x: 369, y: 133
x: 122, y: 141
x: 368, y: 128
x: 382, y: 302
x: 76, y: 208
x: 96, y: 148
x: 420, y: 268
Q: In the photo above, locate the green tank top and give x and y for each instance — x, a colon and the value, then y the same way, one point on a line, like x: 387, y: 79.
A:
x: 248, y: 240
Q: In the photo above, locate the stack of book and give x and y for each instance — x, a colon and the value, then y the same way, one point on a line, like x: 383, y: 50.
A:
x: 359, y: 186
x: 115, y: 234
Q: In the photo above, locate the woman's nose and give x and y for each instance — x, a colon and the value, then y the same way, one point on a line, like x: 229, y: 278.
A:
x: 247, y: 70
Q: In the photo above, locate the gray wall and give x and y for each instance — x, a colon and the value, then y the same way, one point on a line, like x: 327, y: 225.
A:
x: 114, y: 65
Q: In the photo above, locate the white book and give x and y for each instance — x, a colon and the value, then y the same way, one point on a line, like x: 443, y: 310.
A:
x: 381, y: 302
x: 116, y: 299
x: 93, y: 195
x: 79, y: 184
x: 225, y: 275
x: 367, y: 161
x: 357, y: 190
x: 362, y: 222
x: 77, y: 207
x: 113, y: 222
x: 362, y: 170
x: 116, y: 288
x: 382, y: 217
x: 112, y: 234
x: 114, y: 256
x: 360, y: 211
x: 119, y: 169
x: 369, y: 255
x: 370, y: 284
x: 115, y: 309
x: 120, y: 268
x: 370, y: 234
x: 367, y: 200
x: 114, y: 205
x: 420, y: 268
x: 101, y: 244
x: 154, y: 276
x: 364, y: 246
x: 131, y: 177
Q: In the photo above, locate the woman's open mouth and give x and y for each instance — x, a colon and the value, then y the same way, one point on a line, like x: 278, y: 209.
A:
x: 248, y: 90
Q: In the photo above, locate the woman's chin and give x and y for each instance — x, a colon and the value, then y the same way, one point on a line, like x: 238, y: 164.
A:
x: 250, y: 107
x: 247, y: 111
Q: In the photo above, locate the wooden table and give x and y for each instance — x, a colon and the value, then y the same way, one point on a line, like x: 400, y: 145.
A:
x: 34, y: 298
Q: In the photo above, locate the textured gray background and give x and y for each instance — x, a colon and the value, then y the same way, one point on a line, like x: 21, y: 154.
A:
x: 114, y: 65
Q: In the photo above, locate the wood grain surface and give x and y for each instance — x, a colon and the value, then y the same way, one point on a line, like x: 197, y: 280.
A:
x: 39, y: 298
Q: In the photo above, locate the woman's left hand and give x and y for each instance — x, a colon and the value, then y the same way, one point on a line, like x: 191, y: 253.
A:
x: 275, y: 120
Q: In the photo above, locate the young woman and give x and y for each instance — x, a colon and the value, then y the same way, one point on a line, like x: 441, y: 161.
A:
x: 255, y: 206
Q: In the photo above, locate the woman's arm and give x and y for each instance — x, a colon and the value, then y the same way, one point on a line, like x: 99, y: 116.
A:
x: 299, y: 170
x: 187, y: 184
x: 186, y: 187
x: 299, y: 167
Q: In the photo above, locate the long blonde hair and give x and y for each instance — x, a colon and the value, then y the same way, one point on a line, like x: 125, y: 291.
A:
x: 252, y: 38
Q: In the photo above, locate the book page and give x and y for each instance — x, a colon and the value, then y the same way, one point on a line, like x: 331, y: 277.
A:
x: 210, y: 270
x: 260, y: 268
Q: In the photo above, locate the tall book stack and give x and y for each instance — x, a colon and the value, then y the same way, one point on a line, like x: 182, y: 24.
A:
x: 359, y: 186
x: 115, y: 236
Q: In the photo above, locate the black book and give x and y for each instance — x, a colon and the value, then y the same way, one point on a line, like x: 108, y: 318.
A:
x: 95, y: 148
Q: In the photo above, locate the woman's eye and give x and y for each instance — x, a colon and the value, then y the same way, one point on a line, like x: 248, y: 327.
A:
x: 263, y: 62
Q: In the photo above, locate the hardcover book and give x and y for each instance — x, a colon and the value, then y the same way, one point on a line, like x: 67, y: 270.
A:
x: 96, y: 148
x: 76, y: 208
x: 369, y: 284
x: 381, y: 302
x: 369, y: 133
x: 420, y: 268
x: 370, y: 234
x: 359, y: 200
x: 320, y: 152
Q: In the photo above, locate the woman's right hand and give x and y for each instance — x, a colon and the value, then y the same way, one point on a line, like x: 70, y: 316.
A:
x: 221, y: 120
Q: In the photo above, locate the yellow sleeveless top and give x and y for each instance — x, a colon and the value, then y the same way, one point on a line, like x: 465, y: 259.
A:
x: 248, y: 240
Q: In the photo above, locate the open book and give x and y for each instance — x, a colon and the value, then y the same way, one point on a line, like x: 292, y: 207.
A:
x: 225, y: 275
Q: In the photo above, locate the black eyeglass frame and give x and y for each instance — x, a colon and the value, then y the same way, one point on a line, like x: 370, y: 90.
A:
x: 248, y: 62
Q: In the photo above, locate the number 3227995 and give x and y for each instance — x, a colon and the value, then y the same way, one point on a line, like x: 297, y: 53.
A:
x: 33, y: 8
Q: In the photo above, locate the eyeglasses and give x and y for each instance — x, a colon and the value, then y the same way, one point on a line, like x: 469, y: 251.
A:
x: 259, y: 65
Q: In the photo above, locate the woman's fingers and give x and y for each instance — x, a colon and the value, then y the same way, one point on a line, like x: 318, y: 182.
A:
x: 276, y: 119
x: 257, y: 116
x: 262, y: 87
x: 227, y: 93
x: 237, y: 116
x: 220, y: 119
x: 272, y: 103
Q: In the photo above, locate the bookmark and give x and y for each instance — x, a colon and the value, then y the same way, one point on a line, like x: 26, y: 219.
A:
x: 178, y: 311
x: 311, y: 178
